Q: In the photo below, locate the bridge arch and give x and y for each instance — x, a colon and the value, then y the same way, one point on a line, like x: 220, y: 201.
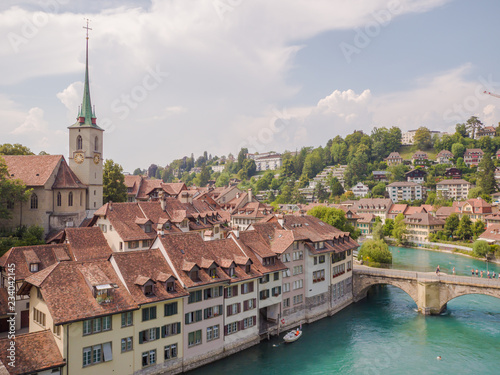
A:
x: 363, y: 283
x: 457, y: 291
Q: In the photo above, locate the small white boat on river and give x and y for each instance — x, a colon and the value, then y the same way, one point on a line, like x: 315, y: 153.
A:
x: 293, y: 335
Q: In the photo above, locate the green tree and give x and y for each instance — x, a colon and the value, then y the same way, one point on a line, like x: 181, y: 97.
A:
x: 378, y: 231
x: 335, y: 217
x: 11, y: 191
x: 486, y: 179
x: 223, y: 179
x: 15, y: 149
x: 399, y: 230
x: 113, y: 182
x: 458, y: 149
x: 422, y: 139
x: 478, y: 228
x: 204, y: 176
x: 398, y: 172
x: 379, y: 190
x: 464, y: 230
x: 475, y: 192
x: 336, y: 187
x: 388, y: 227
x: 264, y: 182
x: 451, y: 225
x: 461, y: 130
x: 473, y: 125
x: 320, y: 192
x: 242, y: 155
x: 481, y: 248
x: 374, y: 252
x: 339, y: 152
x: 138, y: 172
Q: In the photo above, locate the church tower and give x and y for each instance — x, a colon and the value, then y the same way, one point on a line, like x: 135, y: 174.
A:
x: 86, y: 145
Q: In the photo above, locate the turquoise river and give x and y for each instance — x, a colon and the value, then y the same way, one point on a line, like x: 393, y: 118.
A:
x: 384, y: 334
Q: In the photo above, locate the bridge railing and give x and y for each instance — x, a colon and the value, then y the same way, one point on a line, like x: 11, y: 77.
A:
x: 427, y: 276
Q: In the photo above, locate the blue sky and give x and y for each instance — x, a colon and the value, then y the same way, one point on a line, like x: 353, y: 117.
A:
x: 217, y: 75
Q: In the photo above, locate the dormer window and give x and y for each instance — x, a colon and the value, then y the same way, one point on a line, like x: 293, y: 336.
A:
x: 170, y: 286
x: 147, y: 228
x: 230, y: 271
x: 193, y: 275
x: 103, y: 293
x: 248, y: 269
x: 212, y: 272
x: 166, y: 226
x: 34, y: 267
x: 148, y: 290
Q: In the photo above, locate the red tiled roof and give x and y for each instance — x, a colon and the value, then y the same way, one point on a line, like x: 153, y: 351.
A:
x: 423, y: 218
x: 66, y: 178
x: 46, y: 255
x: 35, y: 352
x: 73, y: 299
x: 133, y: 182
x: 33, y: 170
x: 491, y: 234
x: 413, y: 210
x: 147, y: 265
x: 88, y: 243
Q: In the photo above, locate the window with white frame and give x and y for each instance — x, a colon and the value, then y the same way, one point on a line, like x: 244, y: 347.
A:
x: 212, y: 332
x: 286, y: 273
x: 318, y: 276
x: 286, y: 258
x: 248, y: 322
x: 298, y: 255
x: 232, y: 328
x: 126, y: 344
x: 286, y: 302
x: 298, y: 284
x: 286, y: 287
x: 149, y: 358
x: 127, y: 319
x: 297, y: 270
x: 170, y: 351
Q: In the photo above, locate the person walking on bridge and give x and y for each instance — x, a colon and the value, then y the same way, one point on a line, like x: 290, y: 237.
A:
x: 437, y: 270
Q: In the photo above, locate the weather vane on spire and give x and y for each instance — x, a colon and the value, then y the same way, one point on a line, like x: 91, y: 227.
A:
x: 87, y: 27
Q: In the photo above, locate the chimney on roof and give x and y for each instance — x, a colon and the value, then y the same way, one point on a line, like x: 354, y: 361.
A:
x: 236, y: 232
x: 237, y: 195
x: 163, y: 200
x: 249, y: 195
x: 281, y: 219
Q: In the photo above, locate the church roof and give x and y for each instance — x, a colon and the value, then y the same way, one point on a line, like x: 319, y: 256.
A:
x: 32, y: 170
x: 66, y: 178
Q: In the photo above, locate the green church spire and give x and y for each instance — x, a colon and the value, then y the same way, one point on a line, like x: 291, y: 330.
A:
x: 86, y: 116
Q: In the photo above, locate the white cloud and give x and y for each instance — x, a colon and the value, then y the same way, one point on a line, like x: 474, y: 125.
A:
x: 228, y: 72
x: 34, y: 123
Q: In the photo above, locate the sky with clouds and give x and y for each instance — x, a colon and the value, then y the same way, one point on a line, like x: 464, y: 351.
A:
x: 173, y: 77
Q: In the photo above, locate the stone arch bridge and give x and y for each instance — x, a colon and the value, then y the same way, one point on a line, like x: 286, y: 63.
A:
x: 430, y: 292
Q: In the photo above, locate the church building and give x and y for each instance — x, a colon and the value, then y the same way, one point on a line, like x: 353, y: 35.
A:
x: 63, y: 194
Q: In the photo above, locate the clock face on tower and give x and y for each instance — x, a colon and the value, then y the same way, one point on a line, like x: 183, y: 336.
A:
x: 97, y: 158
x: 79, y: 158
